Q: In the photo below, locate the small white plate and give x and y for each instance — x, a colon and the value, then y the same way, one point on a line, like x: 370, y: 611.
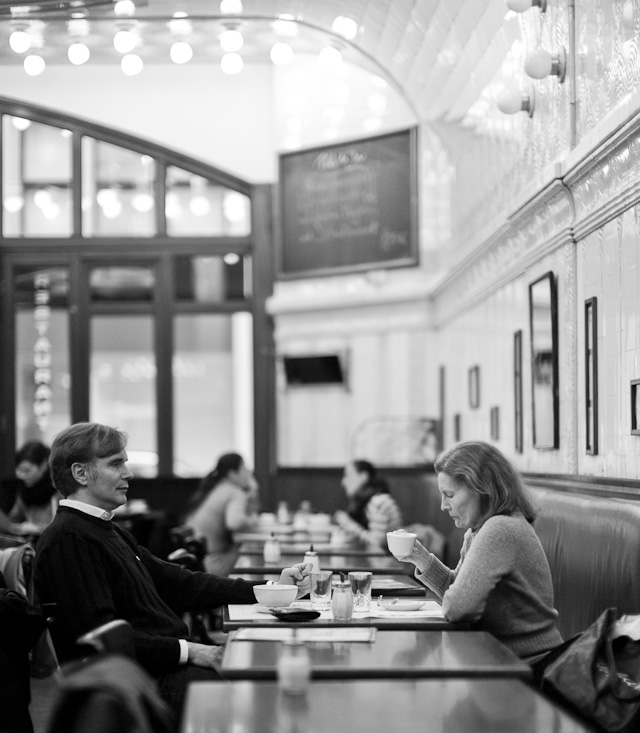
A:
x: 397, y: 604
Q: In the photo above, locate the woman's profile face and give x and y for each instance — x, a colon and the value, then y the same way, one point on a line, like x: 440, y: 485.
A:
x: 352, y: 480
x: 462, y: 504
x: 30, y: 473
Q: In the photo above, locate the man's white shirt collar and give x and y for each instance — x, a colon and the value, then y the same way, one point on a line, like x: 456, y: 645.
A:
x: 81, y: 506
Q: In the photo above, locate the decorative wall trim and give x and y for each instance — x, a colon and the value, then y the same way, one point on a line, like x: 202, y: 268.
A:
x: 592, y: 485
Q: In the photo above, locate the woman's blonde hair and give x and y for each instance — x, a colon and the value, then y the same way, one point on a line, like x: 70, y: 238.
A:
x: 485, y: 471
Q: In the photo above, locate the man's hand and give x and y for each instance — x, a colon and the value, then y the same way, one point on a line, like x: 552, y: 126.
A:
x: 299, y: 575
x: 202, y: 655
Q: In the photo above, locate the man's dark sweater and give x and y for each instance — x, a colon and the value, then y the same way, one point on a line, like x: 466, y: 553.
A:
x: 96, y: 572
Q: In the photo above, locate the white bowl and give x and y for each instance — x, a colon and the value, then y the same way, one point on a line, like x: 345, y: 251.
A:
x: 400, y: 542
x: 399, y: 604
x: 275, y: 595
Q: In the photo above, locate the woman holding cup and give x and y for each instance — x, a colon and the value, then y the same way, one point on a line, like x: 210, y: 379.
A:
x: 502, y: 581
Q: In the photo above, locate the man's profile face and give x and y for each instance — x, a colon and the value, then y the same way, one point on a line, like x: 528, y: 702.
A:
x: 108, y: 481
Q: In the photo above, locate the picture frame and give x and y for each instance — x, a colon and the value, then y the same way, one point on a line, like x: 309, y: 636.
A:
x: 543, y: 321
x: 517, y: 392
x: 591, y: 375
x: 457, y: 427
x: 494, y: 422
x: 474, y: 387
x: 635, y: 407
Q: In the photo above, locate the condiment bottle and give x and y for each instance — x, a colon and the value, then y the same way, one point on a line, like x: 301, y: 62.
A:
x: 342, y: 600
x: 283, y: 513
x: 311, y: 556
x: 272, y: 549
x: 294, y: 667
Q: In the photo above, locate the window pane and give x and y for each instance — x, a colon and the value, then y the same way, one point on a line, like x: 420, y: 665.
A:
x: 36, y: 179
x: 196, y: 206
x: 213, y: 388
x: 122, y: 283
x: 213, y: 279
x: 117, y: 191
x: 123, y: 383
x: 42, y: 353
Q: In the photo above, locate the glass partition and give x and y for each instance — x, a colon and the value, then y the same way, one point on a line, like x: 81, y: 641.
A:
x: 36, y: 179
x: 42, y: 379
x: 213, y: 279
x: 123, y: 384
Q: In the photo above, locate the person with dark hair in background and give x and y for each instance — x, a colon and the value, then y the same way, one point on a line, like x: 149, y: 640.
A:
x: 36, y: 501
x: 225, y: 502
x: 95, y: 572
x: 502, y: 582
x: 371, y: 510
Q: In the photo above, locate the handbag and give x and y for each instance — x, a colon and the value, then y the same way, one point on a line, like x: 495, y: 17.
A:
x: 598, y: 676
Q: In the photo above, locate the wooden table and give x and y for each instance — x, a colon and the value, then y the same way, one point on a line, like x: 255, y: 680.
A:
x: 256, y: 547
x: 237, y: 616
x: 390, y: 654
x: 337, y: 563
x: 381, y: 585
x: 373, y: 706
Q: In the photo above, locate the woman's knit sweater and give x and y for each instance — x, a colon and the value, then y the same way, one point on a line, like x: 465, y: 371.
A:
x: 96, y: 572
x: 503, y: 583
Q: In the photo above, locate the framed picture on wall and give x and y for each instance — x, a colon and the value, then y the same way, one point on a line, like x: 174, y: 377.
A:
x: 591, y: 374
x: 457, y: 427
x: 517, y: 388
x: 635, y: 407
x: 494, y: 423
x: 543, y: 315
x: 474, y: 387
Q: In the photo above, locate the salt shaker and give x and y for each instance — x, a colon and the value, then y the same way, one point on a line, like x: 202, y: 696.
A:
x: 272, y: 549
x: 294, y: 667
x: 342, y: 600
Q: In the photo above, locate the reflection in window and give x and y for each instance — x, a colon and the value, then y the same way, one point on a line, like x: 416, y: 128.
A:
x: 117, y: 191
x: 195, y: 206
x: 123, y: 380
x: 213, y: 279
x: 36, y: 179
x: 131, y: 283
x: 213, y: 390
x: 42, y: 398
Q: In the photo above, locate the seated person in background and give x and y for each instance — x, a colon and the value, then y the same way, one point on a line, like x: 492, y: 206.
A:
x: 95, y: 572
x: 225, y: 502
x: 37, y: 500
x: 371, y: 511
x: 502, y: 581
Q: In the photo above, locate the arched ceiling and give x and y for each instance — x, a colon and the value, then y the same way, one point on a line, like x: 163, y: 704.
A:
x: 438, y: 54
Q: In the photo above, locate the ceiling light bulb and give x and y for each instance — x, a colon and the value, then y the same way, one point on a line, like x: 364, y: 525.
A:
x: 234, y: 206
x: 124, y: 8
x: 511, y: 101
x: 78, y: 53
x: 231, y: 63
x: 78, y: 27
x: 125, y: 41
x: 199, y: 205
x: 13, y: 204
x: 131, y: 64
x: 142, y: 202
x: 231, y: 7
x: 231, y: 258
x: 285, y: 25
x: 34, y: 65
x: 540, y: 64
x: 181, y: 52
x: 346, y: 27
x: 21, y: 123
x: 281, y: 53
x: 330, y: 57
x: 520, y: 6
x: 231, y: 41
x: 20, y: 41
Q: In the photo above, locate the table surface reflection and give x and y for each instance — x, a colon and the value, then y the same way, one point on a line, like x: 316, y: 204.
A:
x: 386, y: 564
x: 256, y: 547
x: 391, y: 654
x: 365, y: 706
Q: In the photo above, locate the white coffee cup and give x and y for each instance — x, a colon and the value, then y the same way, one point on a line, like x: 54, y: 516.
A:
x: 400, y: 542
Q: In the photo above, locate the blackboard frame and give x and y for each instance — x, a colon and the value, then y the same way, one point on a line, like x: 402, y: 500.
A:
x: 400, y: 175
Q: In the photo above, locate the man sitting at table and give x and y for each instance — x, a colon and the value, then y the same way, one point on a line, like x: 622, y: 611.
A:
x: 95, y: 572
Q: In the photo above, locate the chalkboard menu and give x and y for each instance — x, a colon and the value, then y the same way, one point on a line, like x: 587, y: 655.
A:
x: 349, y: 207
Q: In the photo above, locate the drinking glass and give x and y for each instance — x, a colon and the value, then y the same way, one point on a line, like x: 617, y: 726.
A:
x: 321, y: 590
x: 361, y: 589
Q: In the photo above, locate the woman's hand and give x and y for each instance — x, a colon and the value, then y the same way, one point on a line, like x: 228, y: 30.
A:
x: 299, y: 575
x: 419, y: 556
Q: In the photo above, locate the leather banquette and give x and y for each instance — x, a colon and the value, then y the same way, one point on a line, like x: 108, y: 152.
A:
x: 593, y: 547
